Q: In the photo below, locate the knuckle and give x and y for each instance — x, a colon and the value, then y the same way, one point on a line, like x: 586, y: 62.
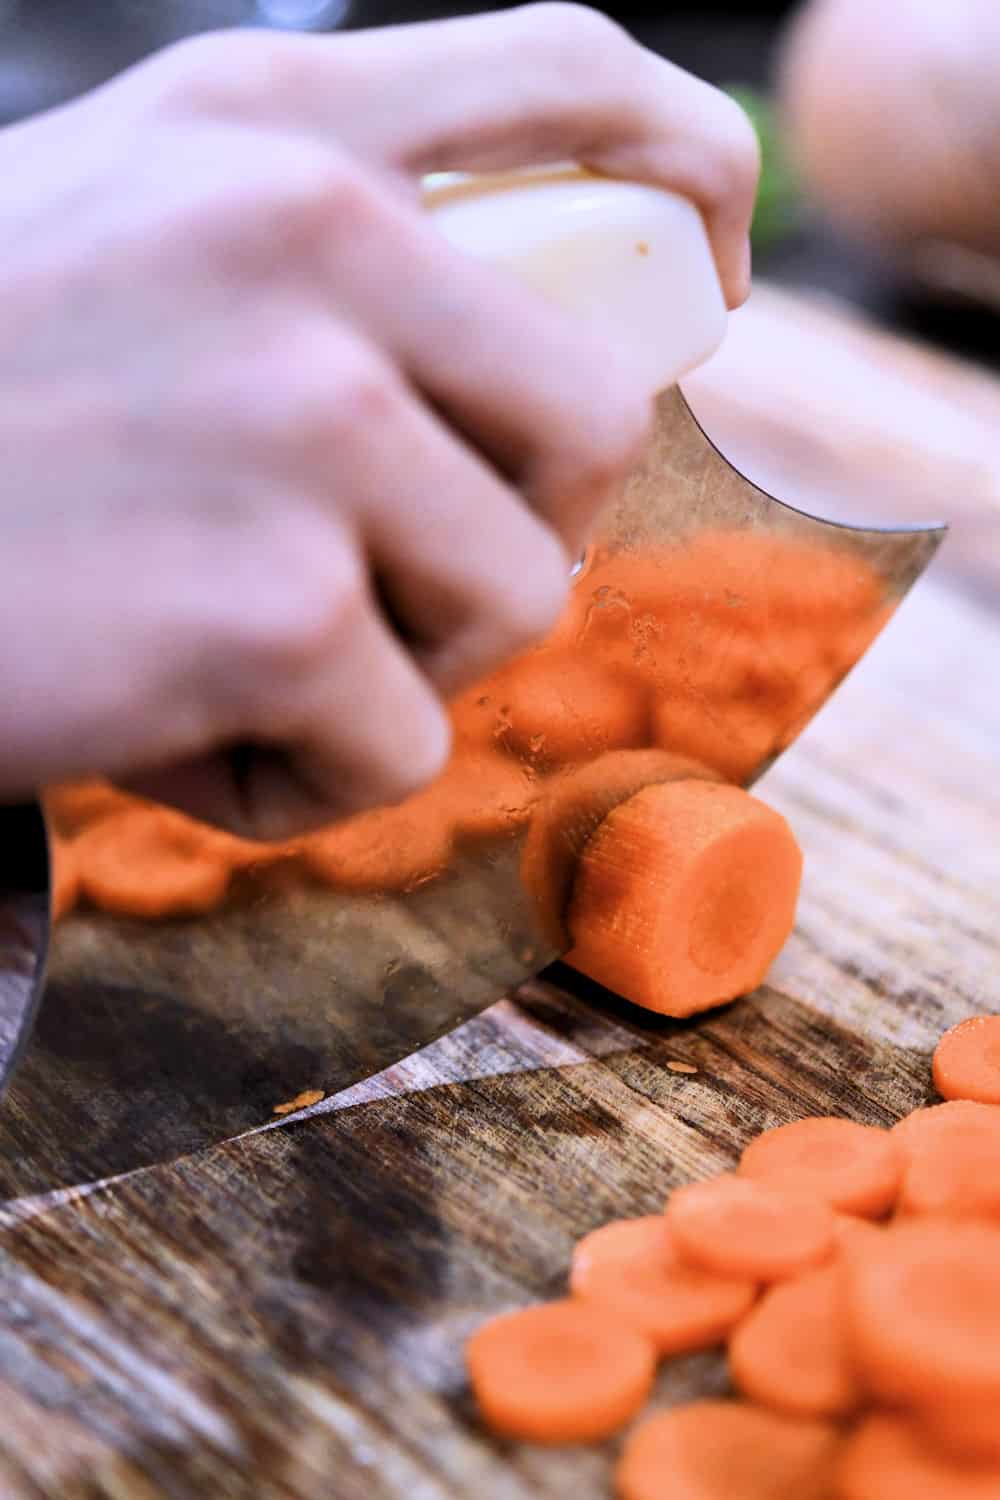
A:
x: 201, y: 74
x: 297, y: 624
x: 325, y: 196
x: 317, y: 406
x: 231, y: 72
x: 363, y: 402
x: 285, y: 212
x: 580, y: 28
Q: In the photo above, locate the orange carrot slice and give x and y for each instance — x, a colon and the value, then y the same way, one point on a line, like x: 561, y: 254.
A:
x: 719, y: 1450
x: 967, y: 1061
x: 570, y: 807
x: 555, y: 707
x: 736, y: 1227
x: 857, y: 1169
x: 968, y: 1431
x: 959, y: 1124
x: 151, y: 862
x: 889, y: 1458
x: 792, y: 1354
x: 631, y: 1267
x: 684, y: 896
x: 565, y: 1372
x: 961, y: 1183
x: 922, y: 1308
x: 850, y: 1230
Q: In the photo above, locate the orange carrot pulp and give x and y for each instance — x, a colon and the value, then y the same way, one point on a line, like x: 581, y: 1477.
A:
x: 684, y: 896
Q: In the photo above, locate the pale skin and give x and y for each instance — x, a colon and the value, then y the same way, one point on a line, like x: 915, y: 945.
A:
x: 893, y: 112
x: 280, y: 468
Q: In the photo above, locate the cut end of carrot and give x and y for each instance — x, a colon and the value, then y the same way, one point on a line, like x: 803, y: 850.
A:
x: 857, y: 1169
x: 718, y: 1450
x: 569, y: 810
x: 565, y: 1372
x: 967, y: 1061
x: 684, y: 896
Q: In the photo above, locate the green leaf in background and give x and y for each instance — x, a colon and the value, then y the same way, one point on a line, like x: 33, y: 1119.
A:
x: 778, y: 200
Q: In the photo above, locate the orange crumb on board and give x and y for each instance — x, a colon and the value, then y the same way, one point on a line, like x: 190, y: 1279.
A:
x: 679, y: 1067
x: 301, y: 1101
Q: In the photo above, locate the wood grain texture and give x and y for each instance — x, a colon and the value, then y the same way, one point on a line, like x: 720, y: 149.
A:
x: 283, y: 1315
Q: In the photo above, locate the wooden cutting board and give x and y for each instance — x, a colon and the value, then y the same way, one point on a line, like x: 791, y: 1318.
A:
x: 283, y: 1314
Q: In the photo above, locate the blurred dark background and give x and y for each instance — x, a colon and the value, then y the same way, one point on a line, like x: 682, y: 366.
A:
x: 51, y: 50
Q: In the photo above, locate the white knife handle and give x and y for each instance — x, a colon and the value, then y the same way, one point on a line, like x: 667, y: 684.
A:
x: 633, y: 261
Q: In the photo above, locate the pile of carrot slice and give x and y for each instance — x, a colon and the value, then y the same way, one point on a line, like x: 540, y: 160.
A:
x: 707, y: 654
x: 853, y: 1274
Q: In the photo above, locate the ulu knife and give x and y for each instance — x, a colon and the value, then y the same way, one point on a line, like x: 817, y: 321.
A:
x: 296, y: 986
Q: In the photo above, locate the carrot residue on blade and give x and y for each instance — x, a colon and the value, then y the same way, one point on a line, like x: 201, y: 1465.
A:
x: 555, y: 707
x: 733, y: 738
x: 684, y: 896
x: 922, y: 1308
x: 736, y: 1227
x: 857, y: 1169
x: 967, y: 1061
x: 718, y: 1450
x: 563, y: 1372
x: 481, y: 794
x: 792, y: 1354
x: 631, y: 1267
x: 389, y: 849
x: 151, y: 862
x: 570, y: 807
x: 890, y: 1458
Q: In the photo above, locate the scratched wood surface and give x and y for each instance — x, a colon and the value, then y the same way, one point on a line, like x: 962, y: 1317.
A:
x: 283, y: 1314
